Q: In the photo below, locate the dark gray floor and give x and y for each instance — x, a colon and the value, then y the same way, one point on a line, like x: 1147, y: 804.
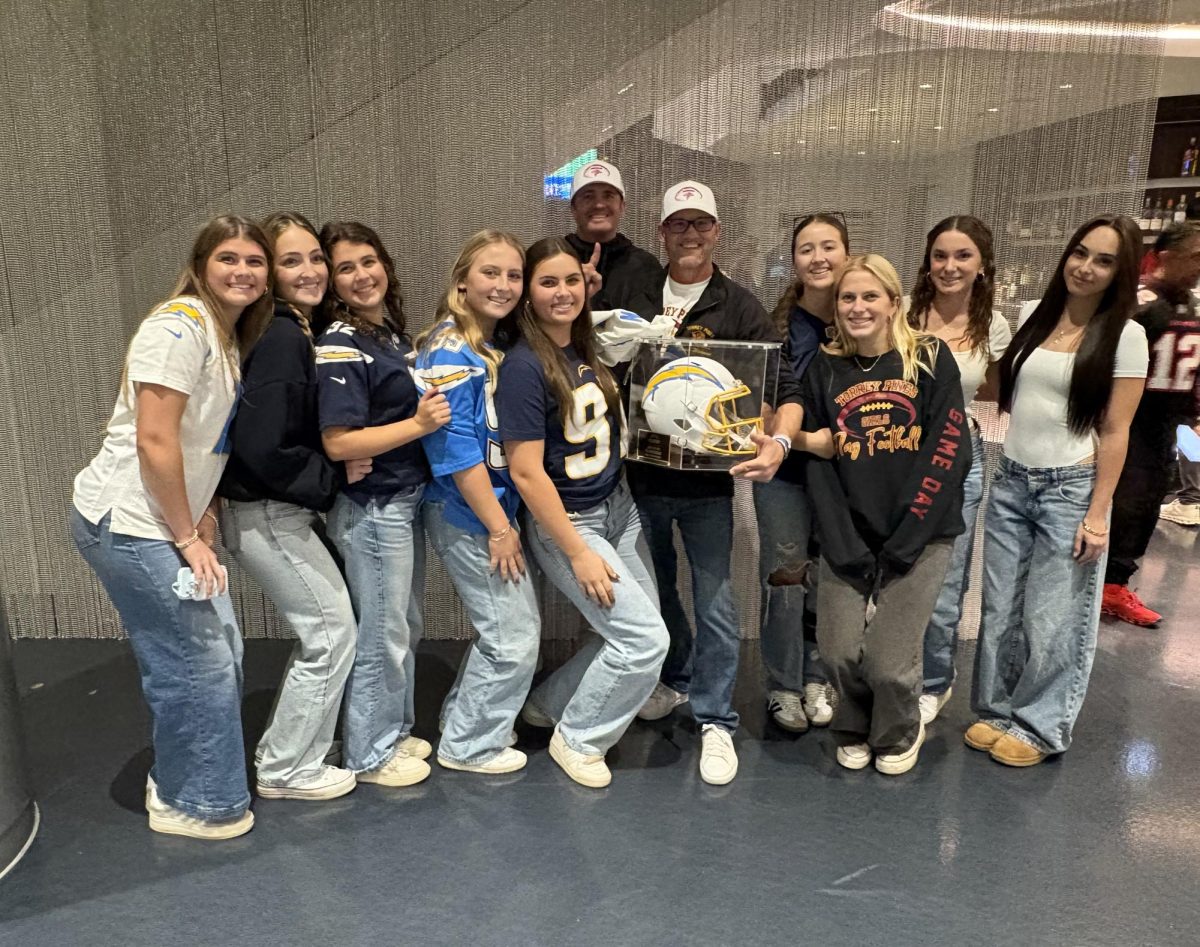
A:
x: 1099, y: 847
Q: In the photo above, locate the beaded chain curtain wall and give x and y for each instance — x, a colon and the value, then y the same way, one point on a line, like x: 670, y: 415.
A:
x: 124, y: 125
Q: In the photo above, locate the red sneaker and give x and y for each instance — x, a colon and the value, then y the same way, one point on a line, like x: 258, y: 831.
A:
x: 1122, y: 602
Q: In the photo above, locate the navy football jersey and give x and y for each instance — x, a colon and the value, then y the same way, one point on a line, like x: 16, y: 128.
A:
x: 583, y: 458
x: 365, y: 382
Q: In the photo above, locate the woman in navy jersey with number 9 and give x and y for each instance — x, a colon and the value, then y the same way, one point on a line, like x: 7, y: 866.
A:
x: 560, y: 420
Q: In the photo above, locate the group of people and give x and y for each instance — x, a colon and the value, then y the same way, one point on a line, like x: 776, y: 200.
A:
x: 279, y: 395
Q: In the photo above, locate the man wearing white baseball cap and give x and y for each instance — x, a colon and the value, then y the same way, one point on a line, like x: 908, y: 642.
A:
x: 626, y: 270
x: 705, y: 304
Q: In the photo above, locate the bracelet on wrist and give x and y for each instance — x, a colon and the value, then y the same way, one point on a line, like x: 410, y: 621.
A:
x: 1092, y: 532
x: 784, y: 441
x: 503, y: 534
x: 194, y: 538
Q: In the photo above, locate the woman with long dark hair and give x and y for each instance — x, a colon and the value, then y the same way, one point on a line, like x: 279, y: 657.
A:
x: 276, y: 485
x: 560, y: 419
x: 797, y: 683
x: 370, y: 409
x: 1070, y: 382
x: 953, y: 300
x: 144, y: 510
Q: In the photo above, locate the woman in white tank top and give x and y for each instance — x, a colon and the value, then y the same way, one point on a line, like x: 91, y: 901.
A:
x: 1070, y: 381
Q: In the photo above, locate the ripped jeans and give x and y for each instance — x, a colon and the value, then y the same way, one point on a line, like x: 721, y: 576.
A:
x: 787, y: 582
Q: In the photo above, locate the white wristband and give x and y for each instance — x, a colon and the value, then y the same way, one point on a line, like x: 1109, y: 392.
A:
x: 784, y: 441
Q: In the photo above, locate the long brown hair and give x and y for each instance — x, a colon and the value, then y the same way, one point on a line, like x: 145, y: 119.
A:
x: 274, y: 226
x: 782, y: 313
x: 1092, y: 374
x: 554, y: 363
x: 983, y: 292
x: 335, y: 309
x: 451, y: 308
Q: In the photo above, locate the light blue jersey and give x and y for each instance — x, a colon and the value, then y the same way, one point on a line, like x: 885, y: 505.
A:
x: 472, y: 436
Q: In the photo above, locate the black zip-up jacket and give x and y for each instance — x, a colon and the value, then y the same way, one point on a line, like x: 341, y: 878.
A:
x: 629, y: 273
x: 277, y: 452
x: 725, y: 311
x: 901, y: 453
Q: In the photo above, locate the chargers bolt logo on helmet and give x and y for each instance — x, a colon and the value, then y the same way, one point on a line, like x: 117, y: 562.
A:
x: 692, y: 400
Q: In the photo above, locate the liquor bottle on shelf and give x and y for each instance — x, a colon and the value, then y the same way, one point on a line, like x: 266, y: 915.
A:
x: 1057, y: 223
x: 1156, y: 215
x: 1144, y: 220
x: 1181, y: 209
x: 1187, y: 167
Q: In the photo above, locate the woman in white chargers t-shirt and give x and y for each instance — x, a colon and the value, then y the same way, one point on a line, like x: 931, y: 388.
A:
x: 144, y: 508
x: 1070, y: 381
x: 953, y: 299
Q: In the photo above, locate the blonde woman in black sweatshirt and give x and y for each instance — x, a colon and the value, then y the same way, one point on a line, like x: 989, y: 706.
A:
x: 884, y: 407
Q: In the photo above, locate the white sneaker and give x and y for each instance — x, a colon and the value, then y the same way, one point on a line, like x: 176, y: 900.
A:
x: 170, y: 821
x: 535, y: 717
x: 817, y: 706
x: 507, y: 760
x: 854, y: 755
x: 893, y: 764
x: 590, y: 771
x: 415, y: 747
x: 787, y: 710
x: 931, y: 705
x: 661, y: 702
x: 1185, y: 514
x: 718, y: 758
x: 329, y: 783
x: 400, y: 770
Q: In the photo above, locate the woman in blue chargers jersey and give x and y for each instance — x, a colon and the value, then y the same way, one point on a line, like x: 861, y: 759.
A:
x: 370, y: 408
x: 560, y: 421
x: 471, y: 505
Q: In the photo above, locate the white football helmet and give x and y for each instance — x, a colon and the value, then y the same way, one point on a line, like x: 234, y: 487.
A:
x: 692, y: 400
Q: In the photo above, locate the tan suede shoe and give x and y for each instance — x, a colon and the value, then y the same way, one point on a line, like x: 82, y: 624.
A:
x: 982, y: 735
x: 1013, y: 752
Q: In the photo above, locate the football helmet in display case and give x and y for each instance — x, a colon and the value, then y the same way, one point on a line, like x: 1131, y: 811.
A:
x: 694, y: 404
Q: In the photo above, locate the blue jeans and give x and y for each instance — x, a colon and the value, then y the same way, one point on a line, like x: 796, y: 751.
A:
x: 785, y: 578
x: 281, y: 546
x: 1041, y: 609
x: 494, y: 678
x: 941, y: 635
x: 595, y: 695
x: 383, y: 546
x: 189, y: 656
x: 706, y: 669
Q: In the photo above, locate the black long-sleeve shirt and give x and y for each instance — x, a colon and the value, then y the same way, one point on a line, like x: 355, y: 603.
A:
x: 277, y: 452
x: 901, y: 453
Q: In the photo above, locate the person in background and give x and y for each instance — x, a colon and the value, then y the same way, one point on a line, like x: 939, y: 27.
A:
x: 471, y: 507
x: 1168, y: 313
x: 953, y: 300
x: 144, y: 510
x: 884, y: 406
x: 705, y: 304
x: 1070, y: 383
x: 619, y: 272
x: 277, y: 483
x: 797, y: 683
x: 1184, y: 508
x: 370, y: 409
x: 560, y: 419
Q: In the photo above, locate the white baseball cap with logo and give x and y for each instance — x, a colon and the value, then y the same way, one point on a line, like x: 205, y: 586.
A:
x: 597, y: 172
x: 688, y: 195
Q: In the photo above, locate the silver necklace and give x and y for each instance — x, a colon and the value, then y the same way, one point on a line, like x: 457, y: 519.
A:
x: 866, y: 371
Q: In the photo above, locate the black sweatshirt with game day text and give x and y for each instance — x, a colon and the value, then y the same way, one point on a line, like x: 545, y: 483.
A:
x: 901, y: 453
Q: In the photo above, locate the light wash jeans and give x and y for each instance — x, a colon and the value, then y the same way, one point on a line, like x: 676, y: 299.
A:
x: 705, y: 669
x: 785, y: 521
x: 189, y: 655
x: 281, y: 546
x: 494, y: 677
x: 595, y: 695
x: 383, y: 547
x: 941, y: 635
x: 1041, y: 609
